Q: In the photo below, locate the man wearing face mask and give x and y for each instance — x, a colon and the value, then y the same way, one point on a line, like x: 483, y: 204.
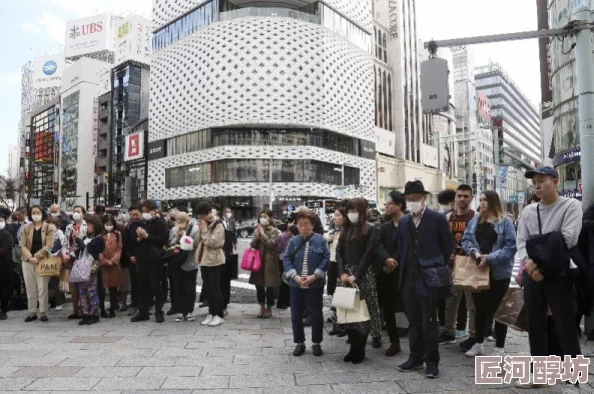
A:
x: 56, y: 212
x: 426, y: 244
x: 149, y: 255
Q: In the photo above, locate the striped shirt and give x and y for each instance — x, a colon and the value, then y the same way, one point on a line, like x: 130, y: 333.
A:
x: 305, y: 268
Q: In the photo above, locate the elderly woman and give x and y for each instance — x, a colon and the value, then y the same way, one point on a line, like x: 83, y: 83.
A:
x: 36, y: 244
x: 306, y: 263
x: 183, y: 268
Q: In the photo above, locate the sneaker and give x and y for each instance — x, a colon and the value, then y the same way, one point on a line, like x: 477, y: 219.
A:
x: 490, y: 338
x: 190, y: 317
x: 432, y: 372
x: 476, y: 350
x: 208, y: 320
x: 410, y: 366
x: 216, y: 321
x: 445, y: 337
x: 499, y: 352
x: 461, y: 334
x: 59, y: 308
x: 467, y: 344
x: 180, y: 318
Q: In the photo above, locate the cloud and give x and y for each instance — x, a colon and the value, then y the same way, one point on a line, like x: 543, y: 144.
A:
x: 10, y: 77
x: 31, y: 27
x: 53, y: 26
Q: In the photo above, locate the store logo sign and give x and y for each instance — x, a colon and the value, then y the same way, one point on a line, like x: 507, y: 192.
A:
x: 50, y: 67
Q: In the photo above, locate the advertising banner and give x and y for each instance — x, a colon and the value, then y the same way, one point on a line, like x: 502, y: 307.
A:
x: 95, y: 124
x: 47, y: 71
x: 484, y: 108
x: 134, y: 147
x: 367, y: 149
x: 568, y: 156
x: 157, y: 149
x: 133, y: 40
x: 87, y: 35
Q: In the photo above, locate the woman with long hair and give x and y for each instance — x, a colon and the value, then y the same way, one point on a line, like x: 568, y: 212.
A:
x: 354, y: 257
x: 490, y: 238
x: 268, y: 278
x: 340, y: 217
x: 36, y: 244
x: 112, y: 275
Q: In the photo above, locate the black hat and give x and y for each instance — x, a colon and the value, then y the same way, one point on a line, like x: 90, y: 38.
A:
x: 4, y: 213
x: 414, y: 187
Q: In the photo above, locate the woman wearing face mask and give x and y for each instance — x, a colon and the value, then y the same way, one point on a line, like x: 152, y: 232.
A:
x: 36, y: 244
x: 268, y: 278
x: 6, y: 263
x: 56, y: 296
x: 354, y: 256
x: 183, y: 269
x: 92, y: 245
x: 339, y: 218
x: 111, y: 270
x: 77, y: 229
x: 490, y: 238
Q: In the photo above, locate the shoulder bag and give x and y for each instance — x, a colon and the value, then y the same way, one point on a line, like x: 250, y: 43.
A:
x: 548, y: 251
x: 251, y: 260
x: 346, y: 298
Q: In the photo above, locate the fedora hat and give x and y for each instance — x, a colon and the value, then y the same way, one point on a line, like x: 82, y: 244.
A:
x: 414, y: 187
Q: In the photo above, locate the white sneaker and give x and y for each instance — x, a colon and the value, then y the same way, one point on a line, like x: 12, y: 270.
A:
x: 491, y: 338
x: 179, y: 318
x: 216, y: 321
x: 498, y: 351
x: 59, y: 308
x: 208, y: 320
x: 476, y: 350
x: 190, y: 317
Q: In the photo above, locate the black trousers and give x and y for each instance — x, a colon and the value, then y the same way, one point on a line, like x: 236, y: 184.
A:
x: 113, y: 294
x: 332, y: 278
x: 173, y: 293
x: 423, y: 330
x: 441, y: 311
x: 56, y: 297
x: 183, y: 290
x: 284, y: 291
x: 150, y: 287
x: 486, y: 303
x: 165, y: 282
x: 203, y: 297
x: 225, y: 284
x: 558, y: 294
x: 387, y: 294
x: 132, y: 269
x: 6, y: 287
x: 211, y: 278
x: 462, y: 314
x: 265, y: 295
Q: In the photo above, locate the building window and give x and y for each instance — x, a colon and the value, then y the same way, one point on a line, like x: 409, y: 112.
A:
x: 345, y: 28
x: 258, y: 170
x: 70, y: 145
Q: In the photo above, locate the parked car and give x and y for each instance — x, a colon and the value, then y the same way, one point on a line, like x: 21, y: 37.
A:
x: 246, y: 228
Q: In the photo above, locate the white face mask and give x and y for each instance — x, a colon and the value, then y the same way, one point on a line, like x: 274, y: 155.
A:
x: 2, y: 225
x: 108, y: 228
x: 264, y: 222
x: 446, y: 208
x: 54, y: 214
x: 353, y: 217
x: 36, y: 218
x: 228, y: 215
x: 76, y: 216
x: 415, y: 206
x: 147, y: 216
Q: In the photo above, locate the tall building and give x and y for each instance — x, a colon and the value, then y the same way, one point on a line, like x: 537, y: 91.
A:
x: 518, y: 143
x: 261, y: 106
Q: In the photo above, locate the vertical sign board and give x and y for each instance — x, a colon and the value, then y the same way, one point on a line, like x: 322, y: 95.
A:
x: 95, y: 124
x: 435, y: 89
x: 134, y: 147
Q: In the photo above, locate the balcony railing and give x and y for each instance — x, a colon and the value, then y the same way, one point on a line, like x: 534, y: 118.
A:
x: 272, y: 12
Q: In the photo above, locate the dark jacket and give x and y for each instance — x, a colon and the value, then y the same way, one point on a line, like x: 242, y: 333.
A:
x: 584, y: 282
x: 150, y: 250
x: 359, y: 254
x: 230, y: 236
x: 387, y: 247
x: 130, y: 242
x: 95, y: 247
x: 434, y: 248
x: 318, y: 259
x: 6, y: 245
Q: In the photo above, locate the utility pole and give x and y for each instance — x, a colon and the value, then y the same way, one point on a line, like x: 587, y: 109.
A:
x: 581, y: 26
x: 270, y: 183
x: 585, y: 93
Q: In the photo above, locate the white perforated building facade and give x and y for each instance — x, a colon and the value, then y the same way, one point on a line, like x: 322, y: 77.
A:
x: 283, y: 75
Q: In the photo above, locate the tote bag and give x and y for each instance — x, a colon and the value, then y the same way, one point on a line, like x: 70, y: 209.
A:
x: 347, y: 316
x: 251, y: 260
x: 50, y: 266
x: 81, y: 269
x: 468, y: 276
x: 346, y: 298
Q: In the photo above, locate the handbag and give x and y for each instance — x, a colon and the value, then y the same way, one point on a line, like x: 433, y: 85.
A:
x: 189, y: 265
x: 347, y: 316
x: 548, y: 251
x: 468, y: 276
x: 346, y: 298
x: 251, y: 260
x: 49, y: 266
x: 511, y: 310
x: 81, y: 269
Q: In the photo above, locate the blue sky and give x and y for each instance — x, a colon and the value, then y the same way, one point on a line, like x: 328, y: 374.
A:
x: 32, y: 28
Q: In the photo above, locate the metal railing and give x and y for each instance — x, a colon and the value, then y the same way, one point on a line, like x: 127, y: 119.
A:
x: 273, y: 12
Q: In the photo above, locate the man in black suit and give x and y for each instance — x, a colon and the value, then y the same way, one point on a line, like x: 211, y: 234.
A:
x: 426, y: 244
x: 387, y: 255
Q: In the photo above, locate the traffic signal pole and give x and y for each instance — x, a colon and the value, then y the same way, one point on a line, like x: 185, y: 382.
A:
x: 581, y: 26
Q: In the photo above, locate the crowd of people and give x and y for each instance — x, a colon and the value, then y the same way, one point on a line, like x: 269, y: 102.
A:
x: 403, y: 265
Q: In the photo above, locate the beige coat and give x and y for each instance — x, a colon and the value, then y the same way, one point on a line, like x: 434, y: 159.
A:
x: 269, y: 274
x: 48, y: 232
x: 210, y: 244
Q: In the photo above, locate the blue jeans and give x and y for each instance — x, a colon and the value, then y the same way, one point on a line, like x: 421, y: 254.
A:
x: 313, y: 299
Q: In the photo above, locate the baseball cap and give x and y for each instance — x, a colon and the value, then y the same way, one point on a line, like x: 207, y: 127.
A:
x: 547, y: 170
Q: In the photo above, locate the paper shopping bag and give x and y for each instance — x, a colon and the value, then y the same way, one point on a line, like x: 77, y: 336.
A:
x: 468, y: 276
x: 511, y: 310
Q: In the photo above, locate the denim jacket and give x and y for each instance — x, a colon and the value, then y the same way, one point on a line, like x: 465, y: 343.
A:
x: 501, y: 259
x: 317, y: 261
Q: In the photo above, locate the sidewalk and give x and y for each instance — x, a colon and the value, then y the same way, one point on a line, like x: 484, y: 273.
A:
x: 245, y: 355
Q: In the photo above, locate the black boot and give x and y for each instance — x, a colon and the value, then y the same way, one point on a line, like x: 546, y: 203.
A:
x: 349, y: 357
x: 112, y: 313
x: 84, y: 320
x: 104, y: 314
x: 360, y: 341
